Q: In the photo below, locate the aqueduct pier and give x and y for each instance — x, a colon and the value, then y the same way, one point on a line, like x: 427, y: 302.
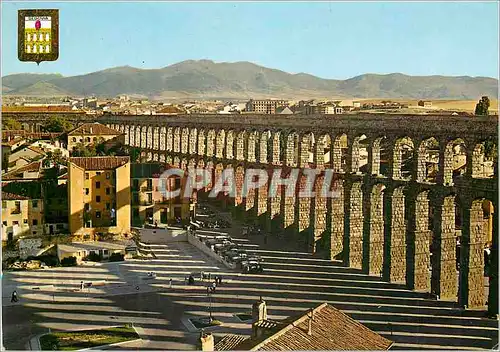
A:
x: 409, y: 185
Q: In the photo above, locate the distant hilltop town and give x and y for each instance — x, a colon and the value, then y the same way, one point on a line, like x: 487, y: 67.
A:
x: 126, y: 105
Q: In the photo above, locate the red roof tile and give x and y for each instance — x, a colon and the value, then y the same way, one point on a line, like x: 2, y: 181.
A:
x: 94, y: 129
x: 100, y: 162
x: 17, y: 174
x: 12, y: 196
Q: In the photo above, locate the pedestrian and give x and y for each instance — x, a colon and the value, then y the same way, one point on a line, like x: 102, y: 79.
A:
x: 220, y: 280
x: 214, y: 285
x: 156, y: 223
x: 209, y: 275
x: 170, y: 283
x: 81, y: 285
x: 208, y: 290
x: 202, y: 276
x: 14, y: 297
x: 185, y: 280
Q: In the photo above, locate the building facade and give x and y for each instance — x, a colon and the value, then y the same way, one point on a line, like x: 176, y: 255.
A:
x: 150, y: 203
x: 92, y: 133
x: 99, y: 195
x: 21, y: 216
x: 266, y: 106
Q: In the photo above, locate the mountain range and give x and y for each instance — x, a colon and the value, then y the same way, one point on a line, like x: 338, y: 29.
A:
x: 205, y: 79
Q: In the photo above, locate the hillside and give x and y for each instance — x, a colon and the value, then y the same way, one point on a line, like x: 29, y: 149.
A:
x: 205, y: 79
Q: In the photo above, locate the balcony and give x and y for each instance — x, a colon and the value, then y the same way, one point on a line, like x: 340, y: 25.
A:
x: 146, y: 188
x: 142, y: 202
x: 15, y: 211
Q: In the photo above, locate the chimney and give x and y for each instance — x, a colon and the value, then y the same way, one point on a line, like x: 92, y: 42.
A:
x: 90, y: 129
x: 259, y: 310
x: 207, y: 341
x: 309, y: 326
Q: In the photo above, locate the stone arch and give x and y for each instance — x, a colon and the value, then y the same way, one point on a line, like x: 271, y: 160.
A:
x: 292, y: 149
x: 428, y: 161
x: 211, y: 143
x: 239, y: 178
x: 276, y: 148
x: 380, y: 156
x: 474, y: 241
x: 337, y: 236
x: 210, y: 168
x: 251, y: 143
x: 323, y: 152
x: 355, y: 226
x: 483, y: 160
x: 132, y: 136
x: 454, y: 161
x: 127, y: 135
x: 144, y: 136
x: 306, y: 149
x: 149, y: 156
x: 402, y: 159
x: 201, y: 142
x: 177, y: 140
x: 217, y: 175
x: 193, y: 138
x: 396, y: 236
x: 149, y: 137
x: 155, y: 156
x: 359, y: 154
x: 420, y: 248
x: 163, y: 136
x: 339, y: 153
x: 185, y: 140
x: 156, y: 138
x: 162, y: 158
x: 230, y: 144
x: 241, y: 145
x: 265, y: 136
x: 221, y: 144
x: 168, y: 160
x: 177, y: 161
x: 169, y: 142
x: 375, y: 236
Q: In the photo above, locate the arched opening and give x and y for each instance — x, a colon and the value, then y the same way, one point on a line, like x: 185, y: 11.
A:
x: 381, y: 156
x: 292, y: 149
x: 156, y: 138
x: 163, y: 135
x: 322, y: 157
x: 264, y: 154
x: 221, y: 144
x: 276, y: 150
x: 240, y: 145
x: 211, y: 143
x: 170, y: 139
x: 402, y: 162
x: 428, y: 161
x: 251, y: 141
x: 201, y: 143
x: 177, y: 140
x: 339, y: 153
x: 185, y: 140
x: 306, y: 151
x: 455, y: 161
x: 359, y: 155
x: 193, y: 137
x: 230, y: 144
x: 149, y: 138
x: 484, y: 159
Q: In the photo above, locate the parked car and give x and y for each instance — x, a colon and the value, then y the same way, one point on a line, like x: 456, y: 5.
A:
x: 251, y: 266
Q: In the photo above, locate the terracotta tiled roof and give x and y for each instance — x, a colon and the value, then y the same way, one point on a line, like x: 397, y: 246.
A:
x: 229, y: 342
x: 330, y: 330
x: 18, y: 173
x: 13, y: 141
x: 12, y: 196
x: 36, y: 149
x: 94, y: 129
x: 36, y: 109
x: 100, y: 162
x: 31, y: 135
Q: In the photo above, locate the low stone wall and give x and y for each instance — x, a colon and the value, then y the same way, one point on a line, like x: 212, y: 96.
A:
x: 193, y: 240
x: 29, y: 246
x: 162, y: 235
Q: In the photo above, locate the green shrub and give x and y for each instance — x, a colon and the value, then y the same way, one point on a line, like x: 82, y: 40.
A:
x: 50, y: 260
x: 93, y: 257
x: 68, y: 261
x: 116, y: 257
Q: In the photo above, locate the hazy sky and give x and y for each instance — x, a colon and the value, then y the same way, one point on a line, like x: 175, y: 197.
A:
x: 330, y: 40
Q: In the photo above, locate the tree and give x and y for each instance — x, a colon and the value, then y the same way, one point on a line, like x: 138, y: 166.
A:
x: 482, y: 106
x: 10, y: 124
x: 57, y: 124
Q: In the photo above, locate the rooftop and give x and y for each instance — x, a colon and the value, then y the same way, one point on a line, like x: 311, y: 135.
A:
x: 12, y: 196
x: 18, y: 173
x: 330, y: 330
x: 94, y: 129
x: 100, y: 162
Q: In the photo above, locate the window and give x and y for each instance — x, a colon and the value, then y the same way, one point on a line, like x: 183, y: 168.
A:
x: 107, y: 175
x: 35, y: 203
x: 86, y: 175
x: 150, y: 197
x: 25, y: 221
x: 88, y: 139
x: 98, y: 173
x: 15, y: 223
x: 4, y: 204
x: 95, y: 139
x: 86, y: 207
x: 35, y: 222
x: 87, y: 224
x: 97, y: 214
x: 86, y: 191
x: 108, y: 190
x: 98, y: 184
x: 135, y: 213
x: 105, y: 252
x: 59, y: 226
x: 5, y: 223
x: 74, y: 139
x: 108, y: 206
x: 98, y: 199
x: 136, y: 198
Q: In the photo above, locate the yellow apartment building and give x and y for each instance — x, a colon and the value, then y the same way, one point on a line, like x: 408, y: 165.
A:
x: 92, y: 133
x: 99, y: 195
x: 21, y: 216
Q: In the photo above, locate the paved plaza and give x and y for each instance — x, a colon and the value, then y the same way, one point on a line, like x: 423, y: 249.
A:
x: 292, y: 281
